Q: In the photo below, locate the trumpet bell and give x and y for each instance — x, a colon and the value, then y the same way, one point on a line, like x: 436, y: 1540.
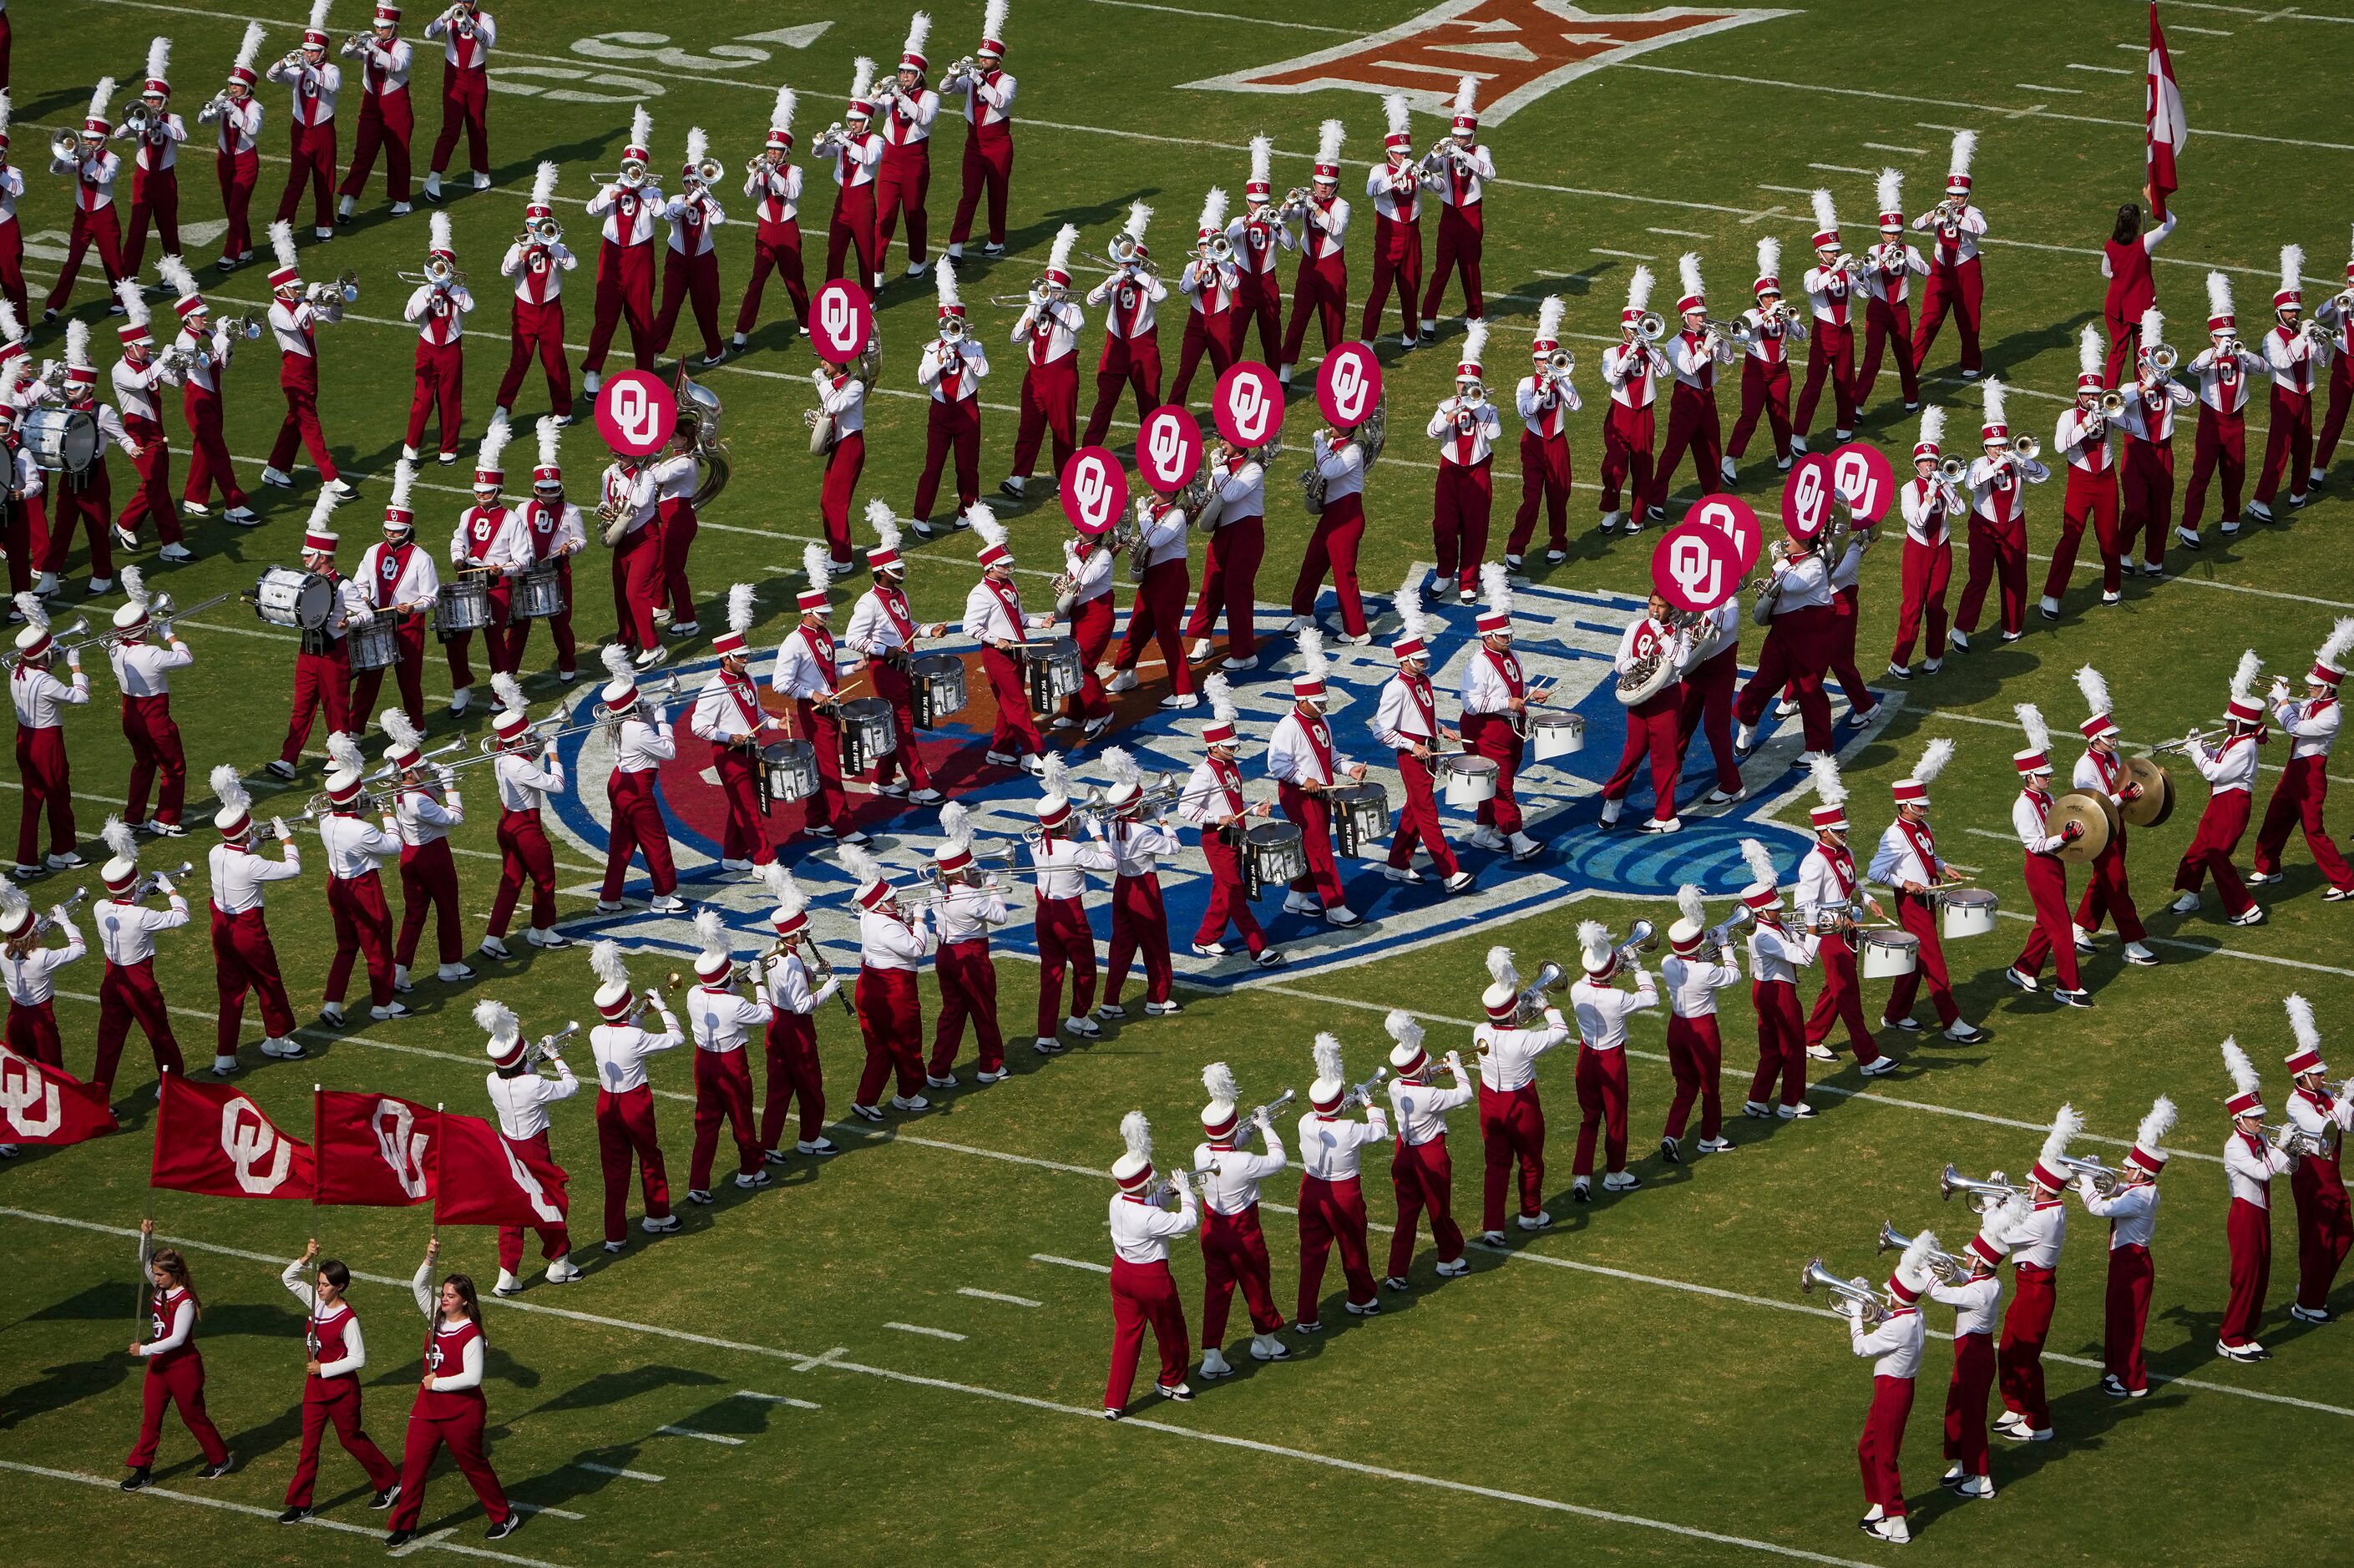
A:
x: 2164, y: 358
x: 1653, y: 326
x: 1561, y: 362
x: 2027, y: 449
x: 1952, y: 470
x: 2113, y: 403
x: 710, y: 172
x: 1220, y: 250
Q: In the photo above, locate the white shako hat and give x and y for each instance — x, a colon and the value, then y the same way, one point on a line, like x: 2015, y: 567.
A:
x: 1406, y: 1057
x: 1223, y: 1114
x: 713, y: 960
x: 613, y: 992
x: 498, y: 1020
x: 1914, y: 788
x: 1332, y: 1078
x: 2148, y: 1150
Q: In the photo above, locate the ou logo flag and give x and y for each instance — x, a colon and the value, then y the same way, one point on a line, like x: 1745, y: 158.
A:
x: 259, y: 1152
x: 1248, y: 405
x: 1349, y: 385
x: 1168, y: 449
x: 636, y: 413
x: 1695, y: 567
x: 845, y: 320
x: 29, y: 1103
x: 402, y: 1147
x: 1807, y: 498
x: 1094, y: 490
x: 1864, y: 480
x: 1731, y: 517
x: 533, y: 1194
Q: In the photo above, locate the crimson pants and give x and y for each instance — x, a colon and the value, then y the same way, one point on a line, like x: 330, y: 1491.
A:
x: 892, y: 685
x: 2019, y: 1354
x: 2333, y: 425
x: 1888, y: 327
x: 2145, y: 507
x: 1928, y: 570
x: 1333, y: 546
x: 1883, y: 1439
x: 1917, y: 913
x: 843, y: 464
x: 236, y: 172
x: 559, y: 629
x: 129, y: 992
x: 1696, y: 1061
x: 244, y: 960
x: 1458, y: 521
x: 362, y: 928
x: 1331, y: 1213
x: 851, y: 233
x: 1512, y: 1126
x: 208, y: 464
x: 2127, y: 1315
x: 297, y: 378
x: 1707, y: 704
x: 1781, y: 1041
x: 2249, y: 1231
x: 12, y: 267
x: 635, y: 810
x: 1259, y: 298
x: 1764, y: 390
x: 1320, y: 288
x: 1602, y: 1106
x: 1234, y: 1252
x: 523, y: 855
x: 1493, y: 736
x: 1958, y: 287
x: 409, y: 670
x: 33, y: 1033
x: 988, y: 163
x: 1840, y: 1000
x: 1652, y: 729
x: 152, y: 496
x: 428, y: 876
x: 465, y: 105
x: 457, y: 647
x: 638, y: 584
x: 2299, y: 800
x: 1691, y: 423
x: 175, y: 1379
x: 1143, y: 1293
x: 48, y: 779
x: 2093, y: 497
x: 313, y: 159
x: 1226, y: 903
x: 1998, y: 555
x: 1230, y: 585
x: 902, y: 181
x: 1091, y: 624
x: 97, y: 229
x: 1418, y: 823
x: 778, y: 250
x: 1322, y: 881
x: 462, y: 1429
x: 1050, y: 401
x: 1016, y: 732
x: 2288, y: 445
x: 386, y: 121
x: 690, y: 278
x: 1459, y: 234
x: 1125, y: 365
x: 334, y: 1401
x: 1545, y: 477
x: 794, y: 1071
x: 88, y: 496
x: 951, y: 425
x: 823, y: 732
x: 1965, y: 1402
x: 890, y: 1018
x: 625, y: 287
x: 968, y: 978
x: 537, y: 330
x: 155, y: 194
x: 1830, y: 352
x: 440, y: 392
x: 1159, y: 616
x: 2107, y: 895
x: 1065, y: 944
x: 679, y: 527
x: 1423, y: 1177
x: 1397, y: 257
x: 2325, y: 1230
x: 723, y: 1090
x: 744, y: 837
x: 2221, y: 443
x: 555, y: 1240
x: 2220, y: 827
x: 1140, y: 924
x: 1627, y: 438
x: 2046, y: 876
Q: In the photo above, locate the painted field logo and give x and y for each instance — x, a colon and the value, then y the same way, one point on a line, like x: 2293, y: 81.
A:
x: 1521, y: 50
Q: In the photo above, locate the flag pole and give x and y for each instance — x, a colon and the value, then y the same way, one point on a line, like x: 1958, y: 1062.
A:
x: 311, y: 1331
x: 433, y: 1301
x: 146, y: 1242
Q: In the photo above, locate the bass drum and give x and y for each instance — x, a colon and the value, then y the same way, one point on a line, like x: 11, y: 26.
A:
x: 60, y: 441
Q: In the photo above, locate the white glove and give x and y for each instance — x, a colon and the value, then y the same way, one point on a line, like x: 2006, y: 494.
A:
x: 447, y: 778
x: 73, y: 659
x: 278, y: 827
x: 163, y: 886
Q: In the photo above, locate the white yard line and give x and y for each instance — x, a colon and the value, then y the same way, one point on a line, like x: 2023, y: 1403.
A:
x: 2104, y: 70
x: 775, y: 1399
x: 1843, y: 169
x: 701, y: 1436
x: 627, y: 1475
x: 1070, y: 1263
x: 1192, y: 15
x: 521, y: 1507
x: 1892, y: 147
x: 997, y: 1296
x: 927, y: 1333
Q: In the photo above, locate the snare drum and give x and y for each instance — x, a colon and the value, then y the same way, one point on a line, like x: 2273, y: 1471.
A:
x: 1360, y: 818
x: 1469, y: 780
x: 461, y: 606
x: 59, y: 440
x: 538, y: 594
x: 939, y: 680
x: 373, y: 643
x: 285, y: 597
x: 1053, y: 672
x: 1556, y: 735
x: 791, y: 766
x: 1967, y: 912
x: 1272, y: 856
x: 869, y: 733
x: 1884, y: 955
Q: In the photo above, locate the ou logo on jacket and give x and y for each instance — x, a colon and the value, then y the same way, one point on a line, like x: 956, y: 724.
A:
x: 403, y: 1149
x: 257, y: 1151
x: 1094, y: 490
x: 1249, y: 405
x: 1168, y: 449
x: 1349, y: 385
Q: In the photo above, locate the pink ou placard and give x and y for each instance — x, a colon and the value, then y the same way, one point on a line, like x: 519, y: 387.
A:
x: 1736, y: 519
x: 1807, y: 496
x: 1094, y: 490
x: 1863, y: 480
x: 1248, y: 403
x: 1696, y: 567
x: 636, y: 412
x: 843, y: 318
x: 1168, y: 449
x: 1349, y: 385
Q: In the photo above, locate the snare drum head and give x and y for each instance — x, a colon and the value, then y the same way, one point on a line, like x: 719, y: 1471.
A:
x: 1892, y: 941
x: 314, y: 602
x: 1969, y: 898
x: 787, y: 753
x: 1272, y: 833
x: 1467, y: 765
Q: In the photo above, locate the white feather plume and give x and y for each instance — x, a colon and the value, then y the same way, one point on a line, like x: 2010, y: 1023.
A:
x: 2091, y: 352
x: 1933, y: 757
x: 617, y: 660
x: 1966, y: 147
x: 1326, y: 1053
x: 35, y: 613
x: 641, y: 127
x: 319, y: 9
x: 230, y: 790
x: 403, y: 484
x: 886, y: 531
x: 1639, y: 288
x: 862, y: 865
x: 698, y: 142
x: 1890, y: 189
x: 2242, y: 1071
x: 1496, y: 586
x: 1475, y: 343
x: 101, y: 97
x: 14, y: 904
x: 2005, y: 1220
x: 13, y: 329
x: 861, y: 77
x: 1221, y: 693
x: 508, y: 692
x: 126, y: 290
x: 2156, y: 1126
x: 1467, y: 94
x: 992, y: 20
x: 2219, y: 294
x: 1262, y: 159
x: 1312, y: 661
x: 944, y: 285
x: 134, y: 586
x: 492, y: 453
x: 1826, y: 215
x: 1760, y: 861
x: 2243, y: 679
x: 77, y: 344
x: 1214, y: 212
x: 1994, y: 395
x: 282, y: 243
x: 2064, y: 1127
x: 159, y: 59
x: 2339, y: 643
x: 1413, y: 619
x: 551, y: 441
x: 1500, y: 966
x: 2031, y: 720
x: 2301, y: 1022
x: 1912, y: 1266
x: 1329, y: 137
x: 343, y: 751
x: 1059, y: 255
x: 249, y: 49
x: 1403, y: 1028
x: 437, y: 234
x: 710, y: 932
x: 781, y: 118
x: 2096, y: 688
x: 1399, y: 116
x: 919, y: 33
x: 7, y: 111
x: 1136, y: 1135
x: 816, y: 565
x: 1689, y: 905
x: 985, y: 525
x: 175, y: 271
x: 739, y: 607
x: 791, y: 899
x: 1121, y: 763
x: 323, y: 512
x: 1593, y: 939
x: 1053, y: 776
x: 1219, y: 1080
x: 2292, y: 268
x: 1769, y: 257
x: 1688, y: 273
x: 399, y: 730
x: 956, y: 824
x: 1140, y: 215
x: 2153, y: 328
x: 116, y: 834
x: 1825, y: 770
x: 496, y: 1019
x: 1933, y: 424
x: 543, y: 183
x: 1549, y: 316
x: 605, y: 962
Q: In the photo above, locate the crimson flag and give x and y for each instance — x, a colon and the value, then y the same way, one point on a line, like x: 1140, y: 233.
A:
x: 483, y: 1178
x: 38, y: 1104
x: 374, y: 1149
x: 210, y: 1138
x: 2166, y: 130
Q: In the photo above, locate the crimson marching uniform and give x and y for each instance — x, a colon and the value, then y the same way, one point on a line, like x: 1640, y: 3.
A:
x: 807, y: 672
x: 1214, y: 798
x: 1631, y: 370
x: 1234, y: 1244
x: 2035, y: 1243
x: 439, y: 313
x: 951, y: 374
x: 2311, y: 725
x: 2131, y: 291
x: 1602, y: 1010
x: 883, y: 630
x: 1065, y: 939
x: 1158, y: 612
x: 2131, y: 1209
x: 1340, y: 530
x: 467, y: 33
x: 904, y: 179
x: 2221, y: 442
x: 1467, y: 434
x: 1320, y: 287
x: 386, y: 119
x: 1893, y: 1348
x: 1139, y: 920
x: 1766, y: 361
x: 314, y: 88
x: 1887, y: 277
x: 549, y: 532
x: 294, y: 323
x: 331, y: 1338
x: 483, y: 544
x: 1652, y: 727
x: 2045, y: 873
x: 393, y: 575
x: 1090, y: 564
x: 90, y: 494
x: 721, y: 1022
x: 2294, y: 359
x: 1692, y: 421
x: 523, y: 1102
x: 1706, y: 703
x: 851, y: 231
x: 1141, y: 1289
x: 1956, y: 282
x: 794, y: 1069
x: 2324, y: 1227
x: 691, y: 266
x: 1050, y: 382
x: 94, y: 223
x: 774, y: 187
x: 1511, y: 1118
x: 1830, y: 348
x: 1492, y: 681
x: 237, y: 155
x: 355, y: 902
x: 1462, y: 167
x: 2230, y: 770
x: 243, y: 957
x: 128, y: 992
x: 450, y: 1408
x: 174, y: 1372
x: 727, y: 713
x: 893, y: 943
x: 206, y: 355
x: 428, y: 876
x: 29, y: 978
x: 1907, y: 852
x: 535, y: 324
x: 629, y: 488
x: 1394, y: 186
x: 2332, y: 314
x: 625, y: 1109
x: 1405, y: 716
x: 1422, y: 1173
x: 1132, y: 348
x: 988, y: 93
x: 1929, y: 506
x: 1213, y: 293
x: 1695, y: 1047
x: 155, y: 167
x: 523, y: 782
x: 841, y: 399
x: 625, y: 266
x: 2249, y: 1165
x: 676, y: 478
x: 993, y: 618
x: 1303, y: 752
x: 2146, y: 503
x: 1776, y: 954
x: 2106, y: 893
x: 40, y: 700
x: 1332, y: 1199
x: 1230, y: 565
x: 1258, y: 238
x: 1830, y: 886
x: 12, y: 233
x: 1974, y: 1301
x: 2085, y: 440
x: 1998, y: 538
x: 1545, y: 402
x: 962, y: 917
x: 642, y: 745
x: 138, y: 379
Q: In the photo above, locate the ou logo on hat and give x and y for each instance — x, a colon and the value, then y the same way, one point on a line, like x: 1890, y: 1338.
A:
x: 1248, y: 405
x: 1169, y: 448
x: 1094, y: 490
x: 636, y: 413
x: 1349, y: 385
x: 845, y: 320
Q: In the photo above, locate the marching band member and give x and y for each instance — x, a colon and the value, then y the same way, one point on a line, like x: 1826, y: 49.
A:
x: 625, y: 1104
x: 399, y: 579
x: 642, y: 742
x: 1306, y: 760
x: 294, y: 323
x: 355, y: 904
x: 1632, y: 369
x: 1907, y: 863
x: 893, y: 941
x: 2085, y: 440
x: 138, y: 379
x: 1766, y: 364
x: 1141, y: 1289
x: 1049, y: 326
x: 808, y: 671
x: 1231, y: 561
x: 1695, y: 353
x: 631, y: 522
x: 625, y: 257
x: 12, y: 191
x: 1331, y: 1195
x: 2101, y: 771
x: 773, y: 182
x: 1496, y: 696
x: 1998, y: 483
x: 2131, y: 1208
x: 1511, y: 1118
x: 1340, y: 460
x: 28, y: 970
x: 483, y: 544
x: 386, y: 119
x: 42, y: 766
x: 439, y: 306
x: 1421, y: 1173
x: 175, y: 1368
x: 1066, y: 942
x: 965, y: 907
x: 857, y: 151
x: 1157, y: 614
x: 721, y: 1022
x: 987, y: 89
x: 1406, y: 720
x: 1893, y: 1347
x: 1889, y: 269
x: 535, y: 324
x: 2325, y: 1229
x: 94, y: 170
x: 2230, y: 770
x: 1140, y: 921
x: 467, y: 33
x: 551, y: 531
x: 794, y: 1069
x: 2146, y: 506
x: 993, y: 618
x: 2311, y: 725
x: 1777, y: 952
x: 2045, y: 873
x: 2250, y: 1164
x: 2333, y: 315
x: 1544, y: 399
x: 1462, y: 166
x: 1394, y: 186
x: 1957, y: 283
x: 89, y: 495
x: 1322, y: 283
x: 334, y: 1353
x: 204, y: 347
x: 2225, y: 369
x: 2125, y: 262
x: 315, y: 81
x: 883, y: 631
x: 727, y: 713
x: 155, y: 165
x: 676, y: 478
x: 526, y: 772
x: 1653, y: 726
x: 1258, y: 240
x: 1213, y: 801
x: 1930, y: 504
x: 1129, y: 296
x: 243, y: 958
x: 950, y: 371
x: 1467, y: 428
x: 1831, y: 284
x: 1708, y: 696
x: 522, y: 1099
x: 1847, y: 601
x: 841, y: 408
x: 2035, y: 1242
x: 449, y: 1406
x: 1974, y: 1299
x: 127, y: 928
x: 1695, y: 1048
x: 1602, y: 1010
x: 426, y: 810
x: 2294, y: 352
x: 1234, y: 1248
x: 691, y: 262
x: 236, y: 158
x: 910, y: 110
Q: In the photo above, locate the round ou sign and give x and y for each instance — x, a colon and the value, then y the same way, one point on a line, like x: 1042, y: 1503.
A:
x: 1094, y: 490
x: 1864, y: 480
x: 1248, y: 403
x: 1349, y: 385
x: 1807, y: 496
x: 636, y: 412
x: 1696, y: 567
x: 1168, y: 449
x: 1735, y: 520
x: 842, y: 320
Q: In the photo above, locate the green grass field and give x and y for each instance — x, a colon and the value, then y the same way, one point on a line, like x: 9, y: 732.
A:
x: 882, y: 1357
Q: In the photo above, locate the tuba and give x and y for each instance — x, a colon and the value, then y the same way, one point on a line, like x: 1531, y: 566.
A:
x: 698, y: 420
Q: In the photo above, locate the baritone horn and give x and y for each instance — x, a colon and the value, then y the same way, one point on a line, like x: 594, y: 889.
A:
x: 1984, y: 1196
x: 1550, y: 981
x: 65, y: 147
x: 1953, y: 1270
x: 2105, y: 1180
x: 1853, y: 1298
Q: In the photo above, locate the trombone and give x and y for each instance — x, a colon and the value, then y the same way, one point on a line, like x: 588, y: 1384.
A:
x: 321, y: 805
x: 492, y: 746
x: 438, y: 272
x: 1946, y: 1267
x: 394, y: 770
x: 1852, y: 1298
x: 1985, y: 1196
x: 62, y: 642
x: 630, y: 176
x: 2195, y: 738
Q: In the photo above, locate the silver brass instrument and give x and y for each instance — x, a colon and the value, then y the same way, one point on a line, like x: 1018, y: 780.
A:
x: 829, y: 139
x: 1953, y: 471
x: 1641, y: 938
x: 1559, y: 363
x: 59, y: 642
x: 1953, y: 1270
x: 1985, y: 1196
x: 42, y: 926
x: 136, y: 117
x: 245, y: 327
x: 149, y: 881
x: 1249, y: 1128
x: 545, y: 1050
x: 699, y: 412
x: 1363, y: 1094
x: 2229, y: 347
x: 2195, y: 738
x: 66, y: 147
x: 2026, y: 449
x: 2164, y: 358
x: 710, y: 172
x: 213, y: 107
x: 1471, y: 394
x: 342, y: 292
x: 1651, y: 326
x: 2105, y: 1180
x: 1851, y: 1297
x: 962, y: 67
x: 320, y: 805
x: 391, y: 770
x: 628, y: 177
x: 1723, y: 931
x: 1220, y: 251
x: 952, y: 331
x: 1156, y: 1193
x: 550, y: 728
x: 1550, y: 981
x: 2113, y: 403
x: 2289, y: 1139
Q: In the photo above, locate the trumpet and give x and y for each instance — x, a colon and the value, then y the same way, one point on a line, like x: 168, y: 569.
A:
x: 2026, y: 449
x: 2164, y: 358
x: 1985, y: 1196
x: 1363, y: 1094
x: 1953, y: 471
x: 342, y: 292
x: 150, y: 880
x: 65, y: 147
x: 2105, y: 1180
x: 1551, y: 979
x: 1249, y: 1128
x: 653, y: 995
x: 57, y: 912
x: 2229, y: 347
x: 953, y: 331
x: 1953, y: 1270
x: 1219, y: 251
x: 1855, y: 1299
x: 292, y: 60
x: 1559, y: 363
x: 1470, y: 393
x: 1296, y: 199
x: 1159, y: 1191
x: 2112, y: 404
x: 833, y: 136
x: 245, y: 327
x: 2195, y: 738
x: 390, y: 770
x: 136, y: 117
x: 213, y: 107
x: 546, y: 1050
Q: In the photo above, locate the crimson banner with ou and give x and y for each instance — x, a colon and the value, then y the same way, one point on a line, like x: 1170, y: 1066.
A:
x: 484, y: 1179
x: 375, y: 1149
x: 38, y: 1104
x: 212, y: 1139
